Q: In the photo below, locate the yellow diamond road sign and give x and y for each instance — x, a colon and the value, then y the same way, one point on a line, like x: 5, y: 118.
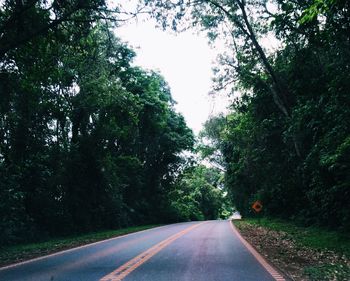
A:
x: 257, y: 206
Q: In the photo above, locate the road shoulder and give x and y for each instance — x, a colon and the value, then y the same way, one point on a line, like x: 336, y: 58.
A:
x: 297, y: 261
x: 14, y: 254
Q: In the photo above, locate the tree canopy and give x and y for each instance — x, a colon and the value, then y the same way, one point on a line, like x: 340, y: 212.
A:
x: 286, y: 138
x: 87, y: 141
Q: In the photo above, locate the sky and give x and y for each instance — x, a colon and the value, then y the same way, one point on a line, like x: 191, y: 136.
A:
x: 185, y: 61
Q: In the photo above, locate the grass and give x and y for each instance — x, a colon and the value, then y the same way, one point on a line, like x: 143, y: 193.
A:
x: 313, y: 237
x: 17, y: 253
x: 327, y: 272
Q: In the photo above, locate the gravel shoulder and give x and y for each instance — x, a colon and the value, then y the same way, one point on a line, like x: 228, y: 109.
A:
x: 297, y: 260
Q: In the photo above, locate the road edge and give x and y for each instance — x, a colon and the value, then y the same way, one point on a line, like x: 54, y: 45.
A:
x: 75, y: 248
x: 266, y: 265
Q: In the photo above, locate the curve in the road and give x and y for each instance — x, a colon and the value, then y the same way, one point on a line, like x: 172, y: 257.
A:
x: 203, y: 251
x: 121, y: 272
x: 10, y: 266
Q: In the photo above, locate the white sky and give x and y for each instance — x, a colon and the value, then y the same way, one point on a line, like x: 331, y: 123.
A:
x: 185, y: 60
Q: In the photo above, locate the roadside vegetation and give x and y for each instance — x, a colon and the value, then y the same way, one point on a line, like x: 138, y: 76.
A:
x: 88, y: 141
x: 303, y: 253
x: 285, y: 139
x: 22, y: 252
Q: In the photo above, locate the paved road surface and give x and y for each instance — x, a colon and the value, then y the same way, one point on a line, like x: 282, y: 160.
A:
x: 200, y: 251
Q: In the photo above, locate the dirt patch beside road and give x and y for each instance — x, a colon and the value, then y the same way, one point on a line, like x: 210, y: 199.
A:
x: 298, y: 262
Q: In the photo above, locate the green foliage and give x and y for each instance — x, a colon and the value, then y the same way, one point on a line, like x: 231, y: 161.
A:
x: 313, y: 237
x: 319, y: 253
x: 336, y: 271
x: 12, y: 254
x: 286, y: 139
x: 318, y: 7
x: 87, y: 141
x: 198, y: 194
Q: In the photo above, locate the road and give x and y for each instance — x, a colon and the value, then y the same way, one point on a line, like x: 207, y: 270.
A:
x: 211, y: 250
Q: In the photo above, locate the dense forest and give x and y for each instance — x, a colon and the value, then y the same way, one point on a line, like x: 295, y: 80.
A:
x: 286, y: 139
x: 88, y: 141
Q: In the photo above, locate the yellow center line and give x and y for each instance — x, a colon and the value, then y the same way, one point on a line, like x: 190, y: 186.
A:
x: 122, y: 271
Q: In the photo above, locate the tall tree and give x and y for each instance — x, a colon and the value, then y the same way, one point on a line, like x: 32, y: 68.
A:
x: 86, y: 140
x: 286, y: 137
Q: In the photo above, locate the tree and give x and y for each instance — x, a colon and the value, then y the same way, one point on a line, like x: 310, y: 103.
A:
x: 198, y: 194
x: 240, y: 21
x: 24, y: 21
x: 86, y: 140
x: 285, y: 140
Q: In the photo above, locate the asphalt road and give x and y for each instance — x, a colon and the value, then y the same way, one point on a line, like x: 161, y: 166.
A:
x: 201, y: 251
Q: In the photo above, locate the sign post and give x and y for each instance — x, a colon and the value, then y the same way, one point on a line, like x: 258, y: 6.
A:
x: 257, y: 207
